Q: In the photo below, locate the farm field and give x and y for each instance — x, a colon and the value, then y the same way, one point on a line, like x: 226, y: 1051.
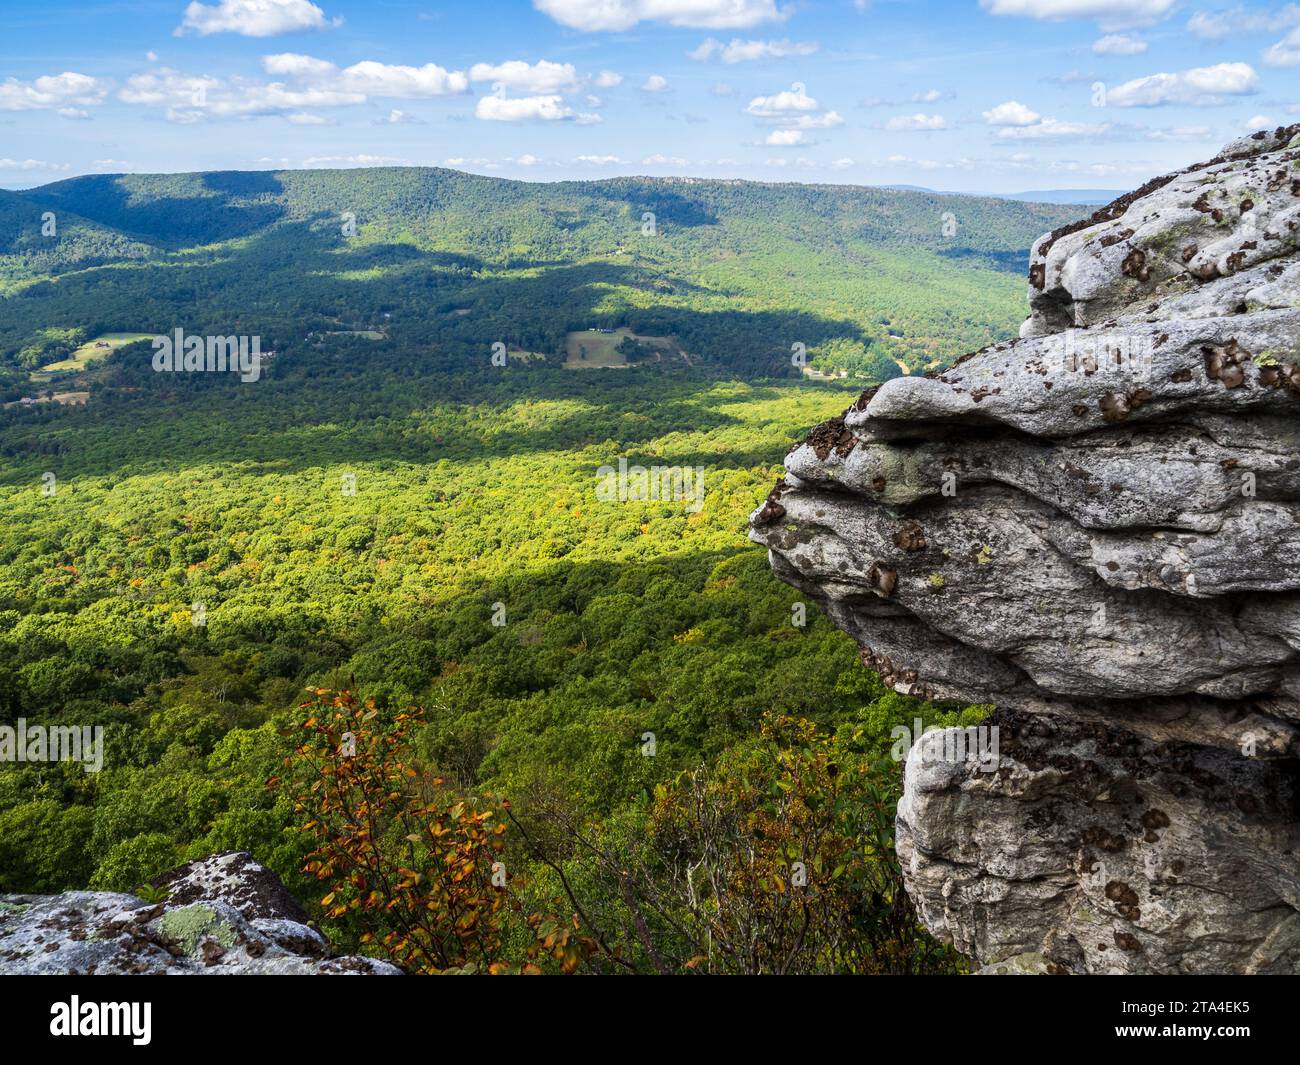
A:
x: 588, y: 349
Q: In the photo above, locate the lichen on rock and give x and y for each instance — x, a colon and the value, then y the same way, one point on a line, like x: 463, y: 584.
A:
x: 1096, y: 527
x: 224, y: 915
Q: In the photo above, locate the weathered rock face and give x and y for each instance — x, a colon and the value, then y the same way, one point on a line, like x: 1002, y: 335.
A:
x: 224, y: 915
x: 1097, y: 528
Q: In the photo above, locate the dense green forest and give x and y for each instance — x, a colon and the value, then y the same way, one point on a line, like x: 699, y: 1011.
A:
x: 184, y: 555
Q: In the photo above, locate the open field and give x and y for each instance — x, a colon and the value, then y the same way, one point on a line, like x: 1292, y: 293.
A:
x: 596, y: 349
x: 97, y: 348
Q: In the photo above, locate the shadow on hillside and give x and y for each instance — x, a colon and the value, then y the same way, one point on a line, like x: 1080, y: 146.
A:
x: 196, y: 208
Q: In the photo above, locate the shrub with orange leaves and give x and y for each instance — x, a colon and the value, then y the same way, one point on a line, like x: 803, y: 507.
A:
x: 412, y: 866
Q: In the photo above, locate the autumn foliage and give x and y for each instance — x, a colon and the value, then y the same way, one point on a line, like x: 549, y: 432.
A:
x: 410, y: 865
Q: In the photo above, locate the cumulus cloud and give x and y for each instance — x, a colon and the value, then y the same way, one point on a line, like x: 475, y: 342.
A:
x: 53, y: 92
x: 608, y: 79
x: 655, y: 83
x: 916, y: 123
x: 929, y: 96
x: 826, y: 120
x: 541, y: 77
x: 1119, y: 44
x: 785, y: 138
x: 1051, y: 127
x: 369, y: 78
x: 1220, y: 25
x: 1286, y: 53
x: 597, y: 15
x: 549, y: 108
x: 791, y: 101
x: 738, y: 51
x: 254, y: 18
x: 30, y: 164
x: 1201, y: 87
x: 1011, y: 113
x: 1110, y: 13
x: 308, y: 84
x: 191, y: 98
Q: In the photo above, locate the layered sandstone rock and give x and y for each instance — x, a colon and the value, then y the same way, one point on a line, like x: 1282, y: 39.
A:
x: 1096, y: 527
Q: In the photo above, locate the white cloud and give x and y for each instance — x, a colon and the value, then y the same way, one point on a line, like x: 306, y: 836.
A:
x: 917, y: 122
x: 305, y: 118
x: 1051, y: 127
x: 793, y: 100
x: 1110, y: 13
x: 30, y: 164
x: 607, y: 79
x: 353, y: 160
x: 74, y: 113
x: 595, y: 15
x: 52, y: 92
x: 398, y: 118
x: 663, y: 160
x: 368, y: 78
x: 1286, y: 53
x: 1259, y: 122
x: 1011, y: 113
x: 655, y: 83
x: 822, y: 121
x: 550, y: 108
x: 927, y: 97
x: 541, y: 77
x: 721, y: 88
x: 192, y: 98
x: 1219, y: 25
x: 841, y: 164
x: 1201, y: 86
x: 738, y: 51
x: 1180, y: 133
x: 254, y: 18
x: 383, y: 79
x: 1119, y: 44
x: 601, y: 160
x: 785, y: 138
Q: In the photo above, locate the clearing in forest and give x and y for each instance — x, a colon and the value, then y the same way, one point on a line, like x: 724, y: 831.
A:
x: 616, y: 348
x: 99, y: 348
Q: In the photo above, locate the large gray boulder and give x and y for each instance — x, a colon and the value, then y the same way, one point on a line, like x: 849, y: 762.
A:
x: 224, y: 915
x: 1096, y: 527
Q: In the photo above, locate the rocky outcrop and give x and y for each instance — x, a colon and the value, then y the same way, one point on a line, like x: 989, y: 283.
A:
x: 1095, y: 527
x: 223, y: 915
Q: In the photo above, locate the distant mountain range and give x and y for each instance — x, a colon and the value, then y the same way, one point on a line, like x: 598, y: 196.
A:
x: 1071, y: 197
x: 444, y: 264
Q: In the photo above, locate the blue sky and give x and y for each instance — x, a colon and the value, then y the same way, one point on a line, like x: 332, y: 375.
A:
x: 965, y: 95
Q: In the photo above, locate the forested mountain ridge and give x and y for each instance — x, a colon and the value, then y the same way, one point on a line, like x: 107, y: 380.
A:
x: 738, y: 271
